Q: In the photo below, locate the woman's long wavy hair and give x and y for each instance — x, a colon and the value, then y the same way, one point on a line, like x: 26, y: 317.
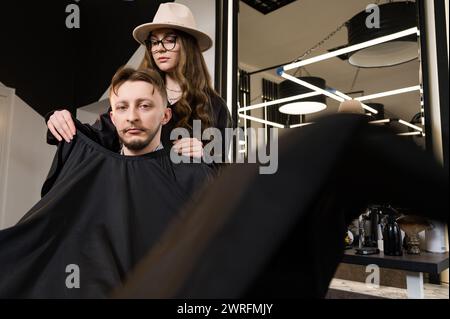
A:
x: 195, y: 82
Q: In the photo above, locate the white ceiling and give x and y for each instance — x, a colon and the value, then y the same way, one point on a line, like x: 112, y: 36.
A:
x: 284, y: 35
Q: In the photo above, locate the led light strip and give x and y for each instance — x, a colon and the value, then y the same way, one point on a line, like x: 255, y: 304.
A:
x: 312, y: 87
x: 380, y: 121
x: 286, y: 99
x: 335, y: 94
x: 352, y: 48
x: 410, y: 134
x: 415, y: 127
x: 388, y: 93
x: 252, y: 118
x: 345, y: 96
x: 300, y: 125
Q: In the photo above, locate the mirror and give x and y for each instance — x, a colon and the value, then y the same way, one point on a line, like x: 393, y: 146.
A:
x: 386, y: 77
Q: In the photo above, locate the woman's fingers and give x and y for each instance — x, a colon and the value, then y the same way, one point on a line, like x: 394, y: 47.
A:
x: 69, y: 121
x: 63, y: 125
x: 187, y: 146
x: 63, y: 117
x: 58, y: 127
x: 190, y: 147
x: 186, y: 142
x: 54, y: 132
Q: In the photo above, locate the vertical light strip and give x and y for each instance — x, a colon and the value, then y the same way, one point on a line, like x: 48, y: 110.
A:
x: 266, y: 137
x: 245, y: 122
x: 230, y: 57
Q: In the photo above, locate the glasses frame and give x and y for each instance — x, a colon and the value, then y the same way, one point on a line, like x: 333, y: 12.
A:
x: 148, y: 43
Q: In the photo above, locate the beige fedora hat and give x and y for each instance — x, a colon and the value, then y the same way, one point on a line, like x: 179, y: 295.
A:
x: 173, y: 16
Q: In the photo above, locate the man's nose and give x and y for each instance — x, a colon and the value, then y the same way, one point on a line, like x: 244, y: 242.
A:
x: 133, y: 115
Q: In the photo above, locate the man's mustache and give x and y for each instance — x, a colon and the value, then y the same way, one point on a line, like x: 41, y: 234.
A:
x: 134, y: 128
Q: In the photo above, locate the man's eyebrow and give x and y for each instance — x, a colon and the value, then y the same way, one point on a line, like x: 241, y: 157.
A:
x: 121, y: 102
x: 145, y: 100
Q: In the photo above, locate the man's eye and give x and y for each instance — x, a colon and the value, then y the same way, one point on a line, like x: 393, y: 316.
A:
x: 145, y: 106
x: 121, y: 108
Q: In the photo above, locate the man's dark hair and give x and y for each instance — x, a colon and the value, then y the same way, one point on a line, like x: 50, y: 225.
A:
x: 125, y: 74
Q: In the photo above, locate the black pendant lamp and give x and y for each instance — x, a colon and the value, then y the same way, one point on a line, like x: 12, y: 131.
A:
x: 303, y: 106
x: 394, y: 17
x: 380, y: 108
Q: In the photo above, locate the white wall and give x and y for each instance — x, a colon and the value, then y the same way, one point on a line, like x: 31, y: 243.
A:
x: 27, y: 159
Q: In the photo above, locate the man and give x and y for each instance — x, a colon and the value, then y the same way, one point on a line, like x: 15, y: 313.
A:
x: 101, y: 211
x: 139, y: 109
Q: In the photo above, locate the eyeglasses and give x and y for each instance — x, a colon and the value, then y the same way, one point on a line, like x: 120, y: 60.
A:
x: 168, y: 43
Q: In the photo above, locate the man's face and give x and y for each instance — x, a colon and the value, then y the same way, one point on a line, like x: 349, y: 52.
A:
x: 138, y: 112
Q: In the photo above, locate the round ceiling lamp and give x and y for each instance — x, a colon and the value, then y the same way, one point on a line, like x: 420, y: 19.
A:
x: 303, y: 106
x: 394, y: 17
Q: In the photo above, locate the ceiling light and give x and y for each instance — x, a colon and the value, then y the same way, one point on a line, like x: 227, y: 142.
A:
x: 394, y: 17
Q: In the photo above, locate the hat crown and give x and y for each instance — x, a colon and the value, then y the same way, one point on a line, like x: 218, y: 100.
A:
x: 175, y: 13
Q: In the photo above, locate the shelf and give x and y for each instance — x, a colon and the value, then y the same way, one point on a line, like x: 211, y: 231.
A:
x: 425, y: 262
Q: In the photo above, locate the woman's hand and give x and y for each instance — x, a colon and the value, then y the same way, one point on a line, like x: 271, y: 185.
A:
x: 190, y: 147
x: 61, y: 124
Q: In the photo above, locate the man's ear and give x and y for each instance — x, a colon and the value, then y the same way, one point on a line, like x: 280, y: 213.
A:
x: 166, y: 116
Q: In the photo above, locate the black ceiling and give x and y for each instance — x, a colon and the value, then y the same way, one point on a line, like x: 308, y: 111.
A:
x: 267, y: 6
x: 51, y: 66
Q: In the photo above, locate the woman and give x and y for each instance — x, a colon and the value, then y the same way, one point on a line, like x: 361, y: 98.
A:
x: 174, y: 48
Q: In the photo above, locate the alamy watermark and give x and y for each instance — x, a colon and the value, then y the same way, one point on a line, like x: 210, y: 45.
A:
x: 73, y: 17
x: 373, y: 19
x: 373, y: 279
x: 214, y: 151
x: 73, y: 279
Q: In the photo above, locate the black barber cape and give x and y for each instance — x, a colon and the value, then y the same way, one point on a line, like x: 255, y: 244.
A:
x: 246, y: 235
x: 282, y: 235
x: 99, y: 214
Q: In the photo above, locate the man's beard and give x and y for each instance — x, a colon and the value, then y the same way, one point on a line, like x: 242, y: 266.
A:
x: 138, y: 145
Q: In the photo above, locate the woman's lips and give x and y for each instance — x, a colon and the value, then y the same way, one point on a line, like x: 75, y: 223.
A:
x: 163, y: 59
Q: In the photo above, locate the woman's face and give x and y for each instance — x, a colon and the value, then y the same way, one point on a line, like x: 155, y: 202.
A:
x: 165, y: 48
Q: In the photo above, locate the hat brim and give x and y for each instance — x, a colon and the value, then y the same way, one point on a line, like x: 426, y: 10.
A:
x: 140, y: 33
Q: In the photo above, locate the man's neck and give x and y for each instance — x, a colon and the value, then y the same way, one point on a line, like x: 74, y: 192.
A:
x: 148, y: 149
